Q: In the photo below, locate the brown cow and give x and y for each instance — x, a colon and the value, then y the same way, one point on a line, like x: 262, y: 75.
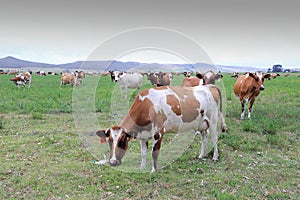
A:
x: 80, y: 76
x: 247, y: 88
x: 68, y: 78
x: 160, y: 78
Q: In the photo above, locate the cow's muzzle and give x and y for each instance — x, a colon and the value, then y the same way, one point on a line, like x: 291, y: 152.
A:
x: 115, y: 162
x: 262, y: 87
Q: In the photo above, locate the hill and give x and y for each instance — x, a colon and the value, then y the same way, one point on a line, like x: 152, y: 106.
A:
x: 12, y: 62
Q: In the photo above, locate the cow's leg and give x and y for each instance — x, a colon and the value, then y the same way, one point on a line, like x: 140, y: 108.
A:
x: 203, y: 152
x: 156, y: 140
x: 243, y: 102
x: 144, y: 150
x: 214, y: 133
x: 250, y: 107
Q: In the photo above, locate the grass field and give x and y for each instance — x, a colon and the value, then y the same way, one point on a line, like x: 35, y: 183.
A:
x: 42, y: 155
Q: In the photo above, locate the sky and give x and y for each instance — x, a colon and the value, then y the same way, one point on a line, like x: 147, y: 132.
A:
x: 227, y: 32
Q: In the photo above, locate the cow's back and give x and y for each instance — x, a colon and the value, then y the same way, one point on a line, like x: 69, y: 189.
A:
x: 171, y: 108
x: 131, y: 80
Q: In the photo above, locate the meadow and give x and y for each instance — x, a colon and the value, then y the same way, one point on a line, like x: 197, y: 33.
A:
x: 42, y: 156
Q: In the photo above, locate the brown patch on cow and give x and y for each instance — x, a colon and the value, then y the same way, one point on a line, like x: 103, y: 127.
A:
x: 161, y: 88
x: 191, y: 81
x: 189, y: 104
x: 215, y: 92
x: 174, y: 103
x: 156, y: 136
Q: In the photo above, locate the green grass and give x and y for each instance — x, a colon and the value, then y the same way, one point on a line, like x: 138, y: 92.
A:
x: 44, y: 155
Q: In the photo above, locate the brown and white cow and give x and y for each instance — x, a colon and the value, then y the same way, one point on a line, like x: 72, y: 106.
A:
x: 247, y: 87
x: 160, y: 110
x: 274, y: 75
x: 191, y: 81
x: 68, y: 78
x: 160, y: 78
x: 210, y: 77
x: 22, y: 79
x: 80, y: 75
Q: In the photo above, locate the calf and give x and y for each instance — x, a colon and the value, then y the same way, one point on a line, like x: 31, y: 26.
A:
x: 156, y: 111
x: 22, y: 79
x: 247, y: 88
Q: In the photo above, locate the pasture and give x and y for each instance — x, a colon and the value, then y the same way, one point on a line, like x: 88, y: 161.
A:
x: 43, y: 157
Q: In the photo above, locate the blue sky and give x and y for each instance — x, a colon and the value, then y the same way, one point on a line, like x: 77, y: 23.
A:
x: 253, y: 33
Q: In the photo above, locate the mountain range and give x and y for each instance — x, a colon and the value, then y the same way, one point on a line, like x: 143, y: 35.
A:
x: 12, y: 62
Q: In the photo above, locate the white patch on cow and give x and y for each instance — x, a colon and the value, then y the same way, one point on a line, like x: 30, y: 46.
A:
x: 209, y: 74
x: 115, y: 135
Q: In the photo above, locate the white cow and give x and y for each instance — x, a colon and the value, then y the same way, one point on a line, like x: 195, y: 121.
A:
x: 133, y: 81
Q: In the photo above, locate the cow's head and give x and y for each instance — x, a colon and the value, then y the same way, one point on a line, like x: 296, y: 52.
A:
x: 259, y: 79
x: 117, y: 138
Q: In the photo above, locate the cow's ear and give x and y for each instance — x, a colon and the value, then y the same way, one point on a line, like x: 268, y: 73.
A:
x: 198, y: 75
x: 254, y: 76
x: 103, y: 133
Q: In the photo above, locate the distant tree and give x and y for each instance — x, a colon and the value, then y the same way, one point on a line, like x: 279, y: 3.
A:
x: 277, y: 68
x: 269, y: 70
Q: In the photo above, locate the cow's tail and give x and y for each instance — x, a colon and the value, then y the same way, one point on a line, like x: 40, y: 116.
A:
x: 221, y: 117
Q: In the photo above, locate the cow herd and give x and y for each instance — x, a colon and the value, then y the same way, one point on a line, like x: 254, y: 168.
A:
x: 195, y: 105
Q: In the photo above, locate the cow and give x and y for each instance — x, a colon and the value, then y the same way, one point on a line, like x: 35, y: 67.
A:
x: 80, y: 76
x: 210, y: 77
x: 193, y: 81
x: 274, y: 75
x: 298, y: 75
x: 114, y: 75
x: 132, y: 80
x: 41, y: 73
x: 247, y: 87
x: 287, y: 75
x: 160, y: 78
x: 235, y: 75
x: 68, y: 78
x: 22, y: 79
x: 164, y: 109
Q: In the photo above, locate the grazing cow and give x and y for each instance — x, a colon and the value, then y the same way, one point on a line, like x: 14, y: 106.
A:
x: 287, y: 75
x: 22, y: 79
x: 114, y: 75
x: 298, y: 75
x: 235, y: 75
x: 193, y: 81
x: 156, y: 111
x: 68, y: 78
x: 160, y: 78
x: 210, y: 77
x: 80, y: 76
x: 247, y: 87
x: 41, y: 73
x: 133, y: 81
x: 13, y: 72
x: 274, y: 75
